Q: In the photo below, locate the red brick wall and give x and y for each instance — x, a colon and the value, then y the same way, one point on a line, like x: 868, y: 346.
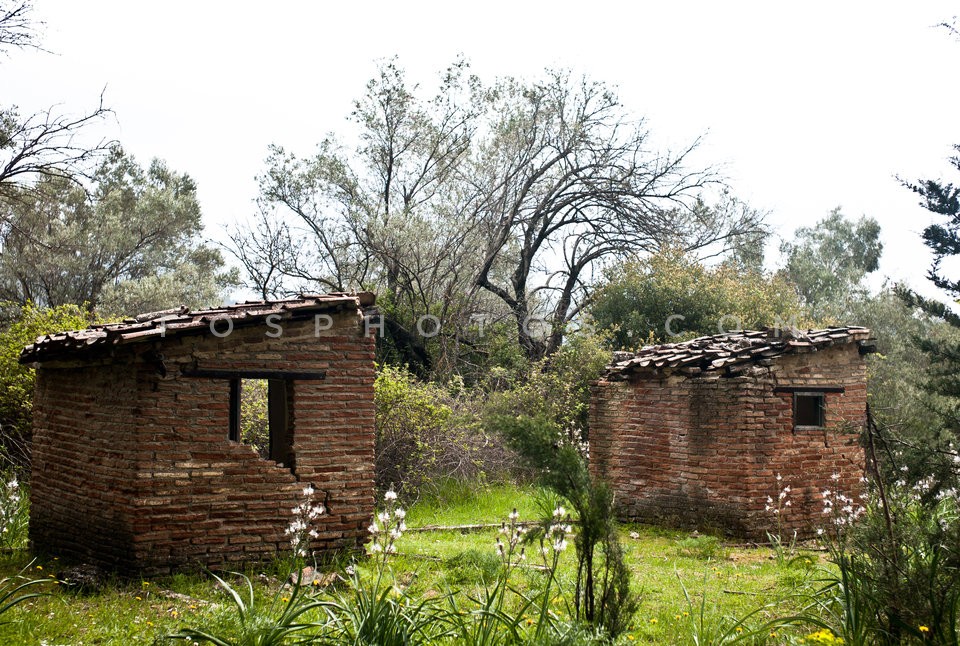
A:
x: 83, y: 476
x: 705, y: 451
x: 176, y: 491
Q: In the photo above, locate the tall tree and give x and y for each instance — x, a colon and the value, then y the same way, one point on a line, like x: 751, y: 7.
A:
x: 381, y: 215
x: 567, y: 183
x: 502, y: 201
x: 943, y: 238
x: 829, y: 261
x: 933, y: 327
x: 130, y: 242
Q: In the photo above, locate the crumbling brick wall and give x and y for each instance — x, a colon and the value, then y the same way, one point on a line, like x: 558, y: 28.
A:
x: 704, y: 451
x: 133, y: 468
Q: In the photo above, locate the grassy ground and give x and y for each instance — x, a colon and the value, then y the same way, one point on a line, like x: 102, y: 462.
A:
x: 733, y: 581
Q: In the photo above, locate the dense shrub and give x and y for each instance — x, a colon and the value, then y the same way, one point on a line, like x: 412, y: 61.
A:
x: 428, y: 434
x: 23, y: 326
x: 896, y: 552
x: 557, y: 388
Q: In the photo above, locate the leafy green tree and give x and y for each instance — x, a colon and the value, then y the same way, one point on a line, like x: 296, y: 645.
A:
x: 828, y: 263
x: 897, y: 384
x: 132, y: 243
x: 80, y: 222
x: 943, y: 238
x: 672, y: 296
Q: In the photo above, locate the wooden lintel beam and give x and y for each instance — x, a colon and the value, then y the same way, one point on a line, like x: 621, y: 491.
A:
x: 809, y: 389
x: 203, y: 373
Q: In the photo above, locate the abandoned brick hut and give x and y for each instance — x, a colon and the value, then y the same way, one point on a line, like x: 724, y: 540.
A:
x: 694, y: 434
x: 137, y: 458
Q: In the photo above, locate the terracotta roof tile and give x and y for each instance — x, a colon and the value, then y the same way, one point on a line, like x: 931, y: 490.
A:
x: 167, y: 323
x: 726, y: 351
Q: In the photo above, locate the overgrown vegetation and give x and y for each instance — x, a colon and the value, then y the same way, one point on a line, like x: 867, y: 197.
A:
x: 429, y: 433
x: 20, y: 326
x: 421, y: 583
x: 671, y: 296
x: 483, y: 216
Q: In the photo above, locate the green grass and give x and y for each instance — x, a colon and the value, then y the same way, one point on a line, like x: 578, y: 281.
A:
x: 459, y: 503
x: 735, y: 580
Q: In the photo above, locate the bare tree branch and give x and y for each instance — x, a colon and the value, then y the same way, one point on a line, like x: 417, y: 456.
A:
x: 17, y: 29
x: 47, y: 144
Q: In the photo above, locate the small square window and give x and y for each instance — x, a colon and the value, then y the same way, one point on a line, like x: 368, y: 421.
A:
x: 808, y: 410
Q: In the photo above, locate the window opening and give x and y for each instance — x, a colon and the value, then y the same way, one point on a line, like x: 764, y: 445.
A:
x: 808, y: 410
x: 260, y: 417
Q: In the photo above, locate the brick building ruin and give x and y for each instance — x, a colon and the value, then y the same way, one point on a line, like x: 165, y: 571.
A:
x: 137, y: 460
x: 694, y: 434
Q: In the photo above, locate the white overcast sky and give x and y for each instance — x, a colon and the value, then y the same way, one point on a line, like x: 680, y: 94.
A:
x: 807, y: 106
